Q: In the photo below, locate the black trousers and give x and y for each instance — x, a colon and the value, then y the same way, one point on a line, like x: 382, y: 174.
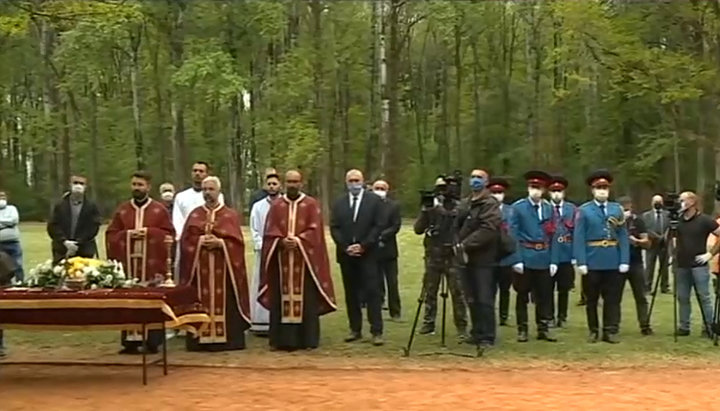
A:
x: 389, y: 278
x: 539, y: 283
x: 607, y: 284
x: 657, y: 254
x: 361, y: 280
x: 503, y: 281
x: 636, y: 278
x: 563, y: 282
x: 480, y: 288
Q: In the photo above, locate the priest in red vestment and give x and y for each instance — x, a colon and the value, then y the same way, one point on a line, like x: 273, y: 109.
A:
x: 212, y: 259
x: 136, y: 237
x: 295, y: 283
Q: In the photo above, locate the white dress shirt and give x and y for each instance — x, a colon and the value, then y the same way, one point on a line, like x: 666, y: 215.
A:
x: 185, y: 202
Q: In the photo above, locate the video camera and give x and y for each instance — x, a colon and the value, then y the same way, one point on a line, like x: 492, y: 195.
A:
x: 671, y: 203
x: 427, y: 198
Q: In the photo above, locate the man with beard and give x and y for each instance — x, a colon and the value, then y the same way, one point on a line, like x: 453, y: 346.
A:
x: 561, y: 249
x: 296, y: 285
x: 532, y: 226
x: 136, y: 237
x: 188, y: 200
x: 74, y: 223
x: 212, y: 260
x: 602, y: 249
x: 260, y: 315
x: 503, y: 271
x: 263, y: 192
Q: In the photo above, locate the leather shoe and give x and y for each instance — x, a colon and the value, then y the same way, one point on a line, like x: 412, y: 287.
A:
x: 560, y: 323
x: 503, y: 322
x: 377, y: 340
x: 593, y: 337
x: 546, y: 336
x: 683, y: 333
x: 646, y: 331
x: 611, y: 338
x: 131, y: 350
x: 522, y: 336
x: 353, y: 337
x: 427, y: 329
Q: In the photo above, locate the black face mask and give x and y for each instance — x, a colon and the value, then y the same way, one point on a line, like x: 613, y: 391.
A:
x: 657, y: 206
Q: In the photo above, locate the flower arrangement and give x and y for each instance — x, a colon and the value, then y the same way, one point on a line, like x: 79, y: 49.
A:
x: 80, y: 273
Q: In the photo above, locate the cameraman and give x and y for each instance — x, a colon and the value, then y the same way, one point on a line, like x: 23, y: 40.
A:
x: 436, y: 223
x: 692, y: 260
x: 478, y: 239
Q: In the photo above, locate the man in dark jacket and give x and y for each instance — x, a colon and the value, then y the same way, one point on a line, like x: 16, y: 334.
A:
x: 387, y: 249
x: 478, y: 227
x: 74, y: 223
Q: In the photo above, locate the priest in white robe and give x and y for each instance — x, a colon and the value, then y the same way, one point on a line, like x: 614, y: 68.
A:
x: 259, y: 315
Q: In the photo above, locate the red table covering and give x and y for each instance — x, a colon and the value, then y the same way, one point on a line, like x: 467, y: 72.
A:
x: 177, y: 307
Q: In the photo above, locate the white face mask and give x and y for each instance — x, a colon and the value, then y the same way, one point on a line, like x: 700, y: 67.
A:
x: 557, y: 196
x: 3, y: 203
x: 601, y: 194
x: 380, y: 193
x: 78, y: 188
x: 627, y: 213
x: 167, y: 195
x: 535, y: 193
x: 499, y: 196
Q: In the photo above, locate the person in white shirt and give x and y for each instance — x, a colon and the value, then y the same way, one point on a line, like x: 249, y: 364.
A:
x: 259, y: 315
x: 192, y: 198
x: 10, y: 234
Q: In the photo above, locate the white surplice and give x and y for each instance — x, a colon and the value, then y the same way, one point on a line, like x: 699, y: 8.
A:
x: 259, y: 315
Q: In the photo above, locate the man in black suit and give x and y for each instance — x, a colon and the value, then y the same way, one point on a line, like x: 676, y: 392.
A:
x: 356, y: 224
x: 74, y: 223
x: 387, y: 249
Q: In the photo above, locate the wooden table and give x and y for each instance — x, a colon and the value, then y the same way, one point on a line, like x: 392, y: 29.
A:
x: 117, y: 309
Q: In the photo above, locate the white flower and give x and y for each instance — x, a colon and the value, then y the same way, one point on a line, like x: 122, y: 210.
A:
x: 94, y: 287
x: 34, y: 272
x: 109, y: 278
x: 57, y: 269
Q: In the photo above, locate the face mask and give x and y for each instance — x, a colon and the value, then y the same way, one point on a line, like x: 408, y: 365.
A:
x: 657, y: 206
x: 78, y: 188
x: 535, y: 193
x: 3, y: 203
x: 167, y: 196
x: 601, y: 194
x: 499, y: 196
x: 138, y: 195
x: 477, y: 183
x: 683, y: 205
x: 557, y: 196
x: 354, y: 188
x: 380, y: 193
x: 627, y: 213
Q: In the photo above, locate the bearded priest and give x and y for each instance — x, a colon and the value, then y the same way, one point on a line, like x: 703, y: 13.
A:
x: 295, y: 283
x: 212, y: 260
x: 137, y: 238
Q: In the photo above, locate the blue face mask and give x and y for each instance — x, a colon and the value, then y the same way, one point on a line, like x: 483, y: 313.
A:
x: 354, y: 188
x: 477, y: 183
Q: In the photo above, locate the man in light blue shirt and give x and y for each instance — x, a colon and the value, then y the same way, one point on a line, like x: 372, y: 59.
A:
x: 10, y: 234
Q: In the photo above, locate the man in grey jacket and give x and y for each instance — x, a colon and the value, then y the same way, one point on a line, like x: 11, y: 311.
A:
x: 657, y: 221
x: 10, y: 235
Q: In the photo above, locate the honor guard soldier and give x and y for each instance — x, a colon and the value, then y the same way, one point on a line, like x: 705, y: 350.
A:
x: 503, y: 271
x: 531, y: 225
x: 602, y: 250
x: 561, y: 250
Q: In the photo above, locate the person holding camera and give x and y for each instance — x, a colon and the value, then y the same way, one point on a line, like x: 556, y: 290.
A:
x: 478, y: 245
x: 533, y: 227
x: 639, y: 240
x: 692, y: 257
x: 436, y: 223
x: 503, y: 271
x: 602, y: 250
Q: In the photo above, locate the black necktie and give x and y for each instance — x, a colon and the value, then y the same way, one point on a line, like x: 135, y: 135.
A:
x: 354, y: 207
x: 536, y: 207
x: 557, y: 210
x: 602, y: 208
x: 658, y: 220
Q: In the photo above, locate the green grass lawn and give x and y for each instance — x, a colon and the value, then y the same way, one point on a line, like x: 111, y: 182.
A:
x: 572, y: 347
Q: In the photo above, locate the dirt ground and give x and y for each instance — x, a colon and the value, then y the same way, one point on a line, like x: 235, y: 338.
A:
x: 119, y: 388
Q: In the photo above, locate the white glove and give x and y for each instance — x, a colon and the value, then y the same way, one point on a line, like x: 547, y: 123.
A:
x: 703, y: 258
x: 519, y: 268
x: 71, y: 247
x: 553, y: 270
x: 624, y: 268
x: 573, y: 261
x: 582, y: 269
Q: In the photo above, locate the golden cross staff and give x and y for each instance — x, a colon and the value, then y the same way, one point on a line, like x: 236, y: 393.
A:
x: 169, y: 262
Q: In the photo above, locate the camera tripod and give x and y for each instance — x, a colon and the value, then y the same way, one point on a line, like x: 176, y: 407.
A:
x: 421, y: 302
x: 672, y: 252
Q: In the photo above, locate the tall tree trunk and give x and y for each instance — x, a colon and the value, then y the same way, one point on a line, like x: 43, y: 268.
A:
x: 65, y: 144
x: 371, y: 143
x: 177, y: 48
x: 457, y: 55
x: 50, y: 103
x: 384, y: 89
x: 135, y: 41
x: 316, y: 7
x: 160, y: 137
x: 391, y: 148
x: 94, y: 144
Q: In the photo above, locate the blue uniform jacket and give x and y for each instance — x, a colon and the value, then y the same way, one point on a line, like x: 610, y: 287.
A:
x: 525, y: 227
x: 592, y: 225
x: 507, y: 211
x: 561, y: 250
